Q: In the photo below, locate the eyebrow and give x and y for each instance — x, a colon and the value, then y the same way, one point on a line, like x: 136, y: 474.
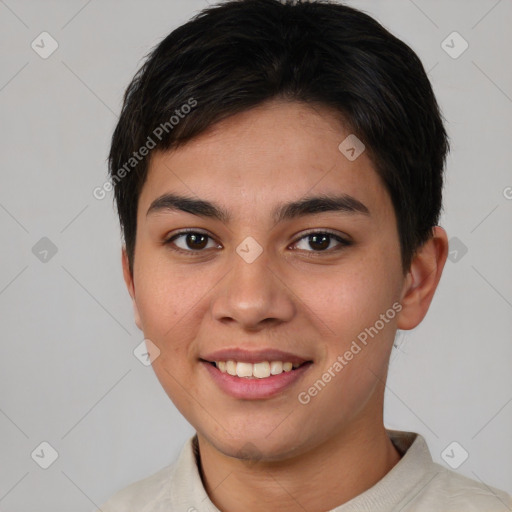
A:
x: 284, y: 211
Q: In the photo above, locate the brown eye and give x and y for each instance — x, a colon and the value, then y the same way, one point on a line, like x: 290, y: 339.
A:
x: 320, y: 241
x: 196, y: 240
x: 189, y: 241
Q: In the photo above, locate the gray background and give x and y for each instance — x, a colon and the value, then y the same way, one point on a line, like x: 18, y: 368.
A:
x: 68, y: 373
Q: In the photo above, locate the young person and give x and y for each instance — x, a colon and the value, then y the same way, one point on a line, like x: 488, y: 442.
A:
x: 278, y: 172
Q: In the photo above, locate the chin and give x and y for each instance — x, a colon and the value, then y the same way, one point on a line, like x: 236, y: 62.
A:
x: 256, y: 445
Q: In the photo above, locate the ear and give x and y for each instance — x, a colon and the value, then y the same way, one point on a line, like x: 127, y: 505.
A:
x: 128, y: 279
x: 422, y: 279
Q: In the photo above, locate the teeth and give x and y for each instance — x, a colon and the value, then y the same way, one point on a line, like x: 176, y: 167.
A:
x: 287, y: 367
x: 230, y: 367
x: 276, y: 367
x: 260, y: 370
x: 244, y: 369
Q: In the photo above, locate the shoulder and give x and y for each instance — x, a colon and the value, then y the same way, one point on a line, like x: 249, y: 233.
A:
x: 152, y: 490
x: 450, y: 491
x: 418, y: 484
x: 173, y: 487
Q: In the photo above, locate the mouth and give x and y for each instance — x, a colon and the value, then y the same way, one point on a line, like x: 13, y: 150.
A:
x: 259, y: 370
x: 253, y: 375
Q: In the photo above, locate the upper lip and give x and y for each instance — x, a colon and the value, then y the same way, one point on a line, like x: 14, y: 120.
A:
x: 253, y: 356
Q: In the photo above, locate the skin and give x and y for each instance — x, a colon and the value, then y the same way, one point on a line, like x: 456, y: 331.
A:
x: 315, y: 456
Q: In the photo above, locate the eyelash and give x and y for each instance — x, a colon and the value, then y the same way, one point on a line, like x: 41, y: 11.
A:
x: 193, y: 253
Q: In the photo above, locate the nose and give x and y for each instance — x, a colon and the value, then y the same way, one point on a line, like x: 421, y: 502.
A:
x: 253, y: 295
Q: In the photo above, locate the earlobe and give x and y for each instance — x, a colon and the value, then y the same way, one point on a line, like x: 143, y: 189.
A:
x: 422, y: 279
x: 128, y: 279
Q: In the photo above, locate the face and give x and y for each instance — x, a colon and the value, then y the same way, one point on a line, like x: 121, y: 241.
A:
x: 252, y: 286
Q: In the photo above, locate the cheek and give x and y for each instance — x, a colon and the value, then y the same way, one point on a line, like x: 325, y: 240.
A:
x: 168, y: 307
x: 166, y: 294
x: 360, y: 308
x: 357, y: 346
x: 354, y: 298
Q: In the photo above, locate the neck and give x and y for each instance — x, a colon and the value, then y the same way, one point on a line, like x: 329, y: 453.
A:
x: 319, y: 479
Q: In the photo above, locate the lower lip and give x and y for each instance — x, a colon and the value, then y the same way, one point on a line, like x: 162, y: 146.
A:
x: 255, y: 389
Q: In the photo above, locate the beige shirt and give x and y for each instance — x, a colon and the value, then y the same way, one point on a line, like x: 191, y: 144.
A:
x: 414, y: 484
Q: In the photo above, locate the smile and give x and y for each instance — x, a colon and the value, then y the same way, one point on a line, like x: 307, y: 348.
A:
x: 254, y: 381
x: 261, y: 370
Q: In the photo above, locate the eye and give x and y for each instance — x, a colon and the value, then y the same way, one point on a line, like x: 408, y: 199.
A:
x: 321, y: 240
x: 192, y: 241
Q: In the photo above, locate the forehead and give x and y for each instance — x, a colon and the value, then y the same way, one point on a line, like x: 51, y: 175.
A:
x: 276, y: 152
